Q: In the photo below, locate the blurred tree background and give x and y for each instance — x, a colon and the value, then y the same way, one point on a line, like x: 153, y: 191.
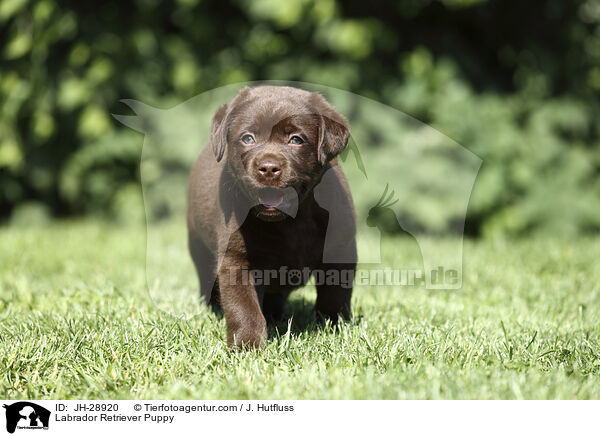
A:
x: 515, y: 82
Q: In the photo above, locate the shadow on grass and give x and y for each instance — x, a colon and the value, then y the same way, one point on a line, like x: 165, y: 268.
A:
x: 300, y: 317
x: 300, y: 312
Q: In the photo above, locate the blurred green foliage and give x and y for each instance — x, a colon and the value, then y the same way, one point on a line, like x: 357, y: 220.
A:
x: 515, y: 82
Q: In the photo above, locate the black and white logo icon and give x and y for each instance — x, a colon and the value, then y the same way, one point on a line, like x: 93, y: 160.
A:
x: 26, y: 415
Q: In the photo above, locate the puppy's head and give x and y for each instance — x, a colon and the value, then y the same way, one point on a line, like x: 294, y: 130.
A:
x: 275, y: 138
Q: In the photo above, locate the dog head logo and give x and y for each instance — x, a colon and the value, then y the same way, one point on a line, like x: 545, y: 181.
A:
x: 26, y: 415
x: 426, y: 177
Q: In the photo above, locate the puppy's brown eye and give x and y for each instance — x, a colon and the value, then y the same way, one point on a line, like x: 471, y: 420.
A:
x: 296, y: 140
x: 248, y: 139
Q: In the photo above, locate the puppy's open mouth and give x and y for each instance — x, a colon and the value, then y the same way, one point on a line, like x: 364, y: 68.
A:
x: 271, y: 197
x: 275, y: 204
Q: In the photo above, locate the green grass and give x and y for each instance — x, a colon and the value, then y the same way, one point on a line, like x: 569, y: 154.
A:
x: 76, y: 321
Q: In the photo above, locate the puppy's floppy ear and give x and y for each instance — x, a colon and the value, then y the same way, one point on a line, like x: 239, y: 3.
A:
x: 218, y: 132
x: 334, y: 129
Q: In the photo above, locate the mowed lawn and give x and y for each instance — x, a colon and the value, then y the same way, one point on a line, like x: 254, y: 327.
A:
x: 76, y: 321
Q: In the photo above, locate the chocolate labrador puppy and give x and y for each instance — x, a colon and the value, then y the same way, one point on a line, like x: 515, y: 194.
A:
x: 268, y: 206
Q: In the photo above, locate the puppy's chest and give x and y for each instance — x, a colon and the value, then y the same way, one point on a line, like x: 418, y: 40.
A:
x: 297, y: 245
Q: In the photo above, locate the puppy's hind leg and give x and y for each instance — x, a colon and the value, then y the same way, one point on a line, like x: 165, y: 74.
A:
x: 205, y: 263
x: 273, y: 305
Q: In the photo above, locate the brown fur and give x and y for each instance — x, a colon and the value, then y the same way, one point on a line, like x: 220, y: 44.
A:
x: 231, y: 226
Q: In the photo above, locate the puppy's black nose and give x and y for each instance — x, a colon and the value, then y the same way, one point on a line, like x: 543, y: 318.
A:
x: 268, y: 168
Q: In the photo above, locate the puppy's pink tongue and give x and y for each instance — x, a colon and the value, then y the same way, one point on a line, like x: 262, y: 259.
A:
x: 270, y: 198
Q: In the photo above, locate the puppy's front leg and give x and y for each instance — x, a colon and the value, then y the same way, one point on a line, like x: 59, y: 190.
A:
x: 246, y: 325
x: 334, y: 294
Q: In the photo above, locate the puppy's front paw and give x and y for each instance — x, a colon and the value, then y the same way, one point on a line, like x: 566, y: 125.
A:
x: 249, y: 337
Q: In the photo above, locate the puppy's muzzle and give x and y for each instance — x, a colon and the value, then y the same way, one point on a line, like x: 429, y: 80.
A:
x: 268, y: 169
